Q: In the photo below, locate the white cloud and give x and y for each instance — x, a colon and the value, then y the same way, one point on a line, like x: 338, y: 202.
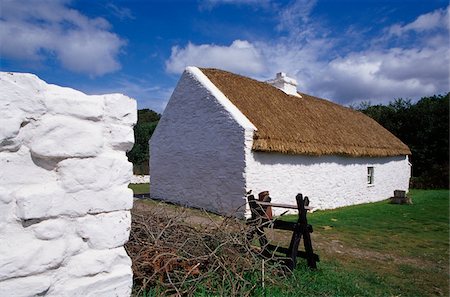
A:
x: 210, y: 4
x: 295, y: 16
x: 122, y: 13
x: 52, y: 29
x: 415, y: 66
x: 438, y: 19
x: 384, y: 75
x: 241, y: 56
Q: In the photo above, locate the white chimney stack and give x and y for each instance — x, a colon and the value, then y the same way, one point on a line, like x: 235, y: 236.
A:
x: 285, y: 83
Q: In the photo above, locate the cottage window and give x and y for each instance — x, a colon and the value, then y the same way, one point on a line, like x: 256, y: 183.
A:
x: 370, y: 175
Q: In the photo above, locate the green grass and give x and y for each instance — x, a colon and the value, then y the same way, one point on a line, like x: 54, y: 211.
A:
x: 139, y: 188
x: 375, y: 249
x: 417, y: 230
x: 388, y: 249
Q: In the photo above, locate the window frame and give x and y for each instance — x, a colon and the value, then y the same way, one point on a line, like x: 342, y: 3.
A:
x: 370, y: 175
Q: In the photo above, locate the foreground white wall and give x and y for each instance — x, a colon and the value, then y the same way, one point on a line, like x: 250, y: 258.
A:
x: 64, y: 201
x: 197, y: 153
x: 329, y: 181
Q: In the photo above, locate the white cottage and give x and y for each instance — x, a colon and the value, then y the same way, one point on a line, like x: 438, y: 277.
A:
x: 223, y: 134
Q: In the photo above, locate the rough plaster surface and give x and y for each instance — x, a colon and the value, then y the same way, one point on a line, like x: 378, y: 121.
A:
x: 64, y: 201
x: 140, y: 179
x: 329, y: 181
x: 197, y: 151
x: 201, y: 156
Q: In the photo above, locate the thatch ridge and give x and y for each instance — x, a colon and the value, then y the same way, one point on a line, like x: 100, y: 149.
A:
x: 307, y: 125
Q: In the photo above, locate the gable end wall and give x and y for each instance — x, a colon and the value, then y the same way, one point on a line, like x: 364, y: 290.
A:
x: 197, y: 153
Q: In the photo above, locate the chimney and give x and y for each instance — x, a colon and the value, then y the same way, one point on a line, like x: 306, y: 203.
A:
x: 285, y: 83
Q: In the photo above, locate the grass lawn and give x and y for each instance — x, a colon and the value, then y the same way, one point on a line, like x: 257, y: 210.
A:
x: 380, y: 249
x: 375, y: 249
x: 139, y: 188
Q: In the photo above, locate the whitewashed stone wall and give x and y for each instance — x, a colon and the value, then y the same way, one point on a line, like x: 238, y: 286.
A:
x: 197, y: 150
x: 64, y: 201
x: 140, y: 179
x: 329, y: 181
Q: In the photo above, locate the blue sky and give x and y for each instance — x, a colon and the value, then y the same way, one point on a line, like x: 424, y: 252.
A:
x: 347, y: 51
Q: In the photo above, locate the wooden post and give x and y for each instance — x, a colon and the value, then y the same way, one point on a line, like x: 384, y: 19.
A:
x: 306, y: 230
x: 301, y: 228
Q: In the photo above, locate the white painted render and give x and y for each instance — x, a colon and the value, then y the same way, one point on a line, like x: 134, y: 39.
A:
x: 197, y: 150
x: 140, y: 179
x: 329, y: 181
x: 201, y: 156
x: 285, y: 83
x: 64, y: 197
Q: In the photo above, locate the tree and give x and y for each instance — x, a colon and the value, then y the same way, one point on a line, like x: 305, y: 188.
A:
x: 146, y: 125
x: 424, y: 127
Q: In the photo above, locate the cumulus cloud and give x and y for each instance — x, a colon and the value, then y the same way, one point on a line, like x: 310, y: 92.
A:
x: 416, y: 67
x: 53, y: 30
x: 393, y: 64
x: 241, y: 56
x: 438, y: 19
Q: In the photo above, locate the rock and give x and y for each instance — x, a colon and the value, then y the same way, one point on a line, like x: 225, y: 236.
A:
x: 92, y: 262
x: 5, y: 196
x: 64, y: 196
x: 50, y: 229
x: 37, y: 201
x: 120, y: 137
x: 66, y: 101
x: 97, y: 173
x: 117, y: 283
x: 21, y: 254
x: 120, y: 109
x: 105, y: 230
x: 21, y: 99
x: 49, y: 200
x: 66, y: 137
x: 19, y: 168
x: 35, y: 285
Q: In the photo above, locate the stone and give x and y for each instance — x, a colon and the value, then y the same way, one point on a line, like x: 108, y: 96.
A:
x: 97, y: 173
x: 92, y: 262
x: 35, y: 285
x: 19, y: 168
x: 64, y: 195
x: 120, y: 137
x: 20, y: 100
x: 66, y: 101
x: 66, y: 137
x: 120, y: 109
x: 49, y: 200
x: 21, y: 254
x: 5, y: 195
x: 117, y: 283
x: 50, y: 229
x: 105, y: 230
x: 37, y: 201
x: 10, y: 129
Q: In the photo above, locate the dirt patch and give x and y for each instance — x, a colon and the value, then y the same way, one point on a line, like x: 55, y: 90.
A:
x: 188, y: 215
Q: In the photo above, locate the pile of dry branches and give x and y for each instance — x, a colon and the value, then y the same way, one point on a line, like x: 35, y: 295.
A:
x: 174, y: 256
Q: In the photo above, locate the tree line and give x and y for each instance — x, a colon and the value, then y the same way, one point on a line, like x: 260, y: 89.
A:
x: 143, y: 130
x: 423, y: 126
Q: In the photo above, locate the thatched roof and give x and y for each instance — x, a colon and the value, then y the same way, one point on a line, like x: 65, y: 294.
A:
x: 307, y: 125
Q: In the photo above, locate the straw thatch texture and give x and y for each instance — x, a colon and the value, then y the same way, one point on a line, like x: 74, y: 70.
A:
x: 307, y: 125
